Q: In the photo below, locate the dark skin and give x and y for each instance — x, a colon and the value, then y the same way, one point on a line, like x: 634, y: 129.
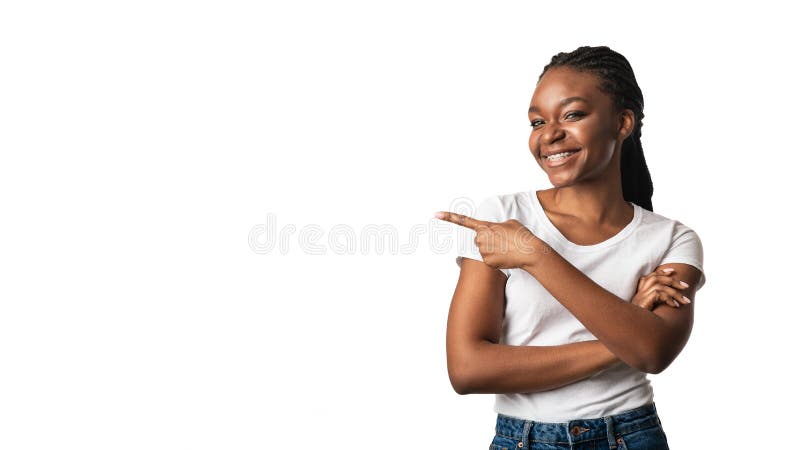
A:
x: 586, y: 204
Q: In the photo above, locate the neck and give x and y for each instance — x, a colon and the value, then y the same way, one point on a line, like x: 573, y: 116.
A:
x: 594, y: 201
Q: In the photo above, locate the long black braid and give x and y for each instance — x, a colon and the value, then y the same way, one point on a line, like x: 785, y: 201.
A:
x: 617, y: 79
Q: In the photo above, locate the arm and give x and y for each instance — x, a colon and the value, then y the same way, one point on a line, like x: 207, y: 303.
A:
x: 644, y: 339
x: 476, y: 363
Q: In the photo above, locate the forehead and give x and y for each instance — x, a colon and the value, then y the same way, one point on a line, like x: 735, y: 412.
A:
x: 562, y: 82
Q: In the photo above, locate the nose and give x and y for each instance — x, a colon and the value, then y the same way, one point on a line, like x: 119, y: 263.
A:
x: 552, y: 132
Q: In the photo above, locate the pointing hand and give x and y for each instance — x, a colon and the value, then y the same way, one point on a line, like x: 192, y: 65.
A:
x: 503, y: 245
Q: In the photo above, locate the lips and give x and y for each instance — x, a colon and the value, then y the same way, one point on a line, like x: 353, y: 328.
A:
x: 555, y: 152
x: 560, y: 162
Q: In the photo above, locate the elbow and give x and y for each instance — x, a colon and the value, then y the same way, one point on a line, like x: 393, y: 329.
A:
x: 654, y: 367
x: 466, y: 366
x: 660, y: 364
x: 460, y: 380
x: 643, y: 365
x: 462, y: 368
x: 460, y: 386
x: 655, y: 363
x: 652, y: 357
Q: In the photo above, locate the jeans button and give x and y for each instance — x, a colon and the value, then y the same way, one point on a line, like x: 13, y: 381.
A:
x: 520, y: 445
x: 619, y: 440
x: 575, y: 430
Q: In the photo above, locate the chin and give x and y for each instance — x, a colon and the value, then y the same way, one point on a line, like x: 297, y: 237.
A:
x: 562, y: 182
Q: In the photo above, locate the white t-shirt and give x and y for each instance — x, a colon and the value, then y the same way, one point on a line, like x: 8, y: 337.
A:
x: 534, y: 317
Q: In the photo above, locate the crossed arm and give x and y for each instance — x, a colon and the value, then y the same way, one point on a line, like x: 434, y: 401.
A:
x: 477, y: 363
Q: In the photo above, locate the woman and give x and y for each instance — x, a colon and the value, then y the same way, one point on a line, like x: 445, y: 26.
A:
x: 572, y: 295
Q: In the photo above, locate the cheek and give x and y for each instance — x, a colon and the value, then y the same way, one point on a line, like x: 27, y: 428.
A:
x: 592, y: 136
x: 585, y: 132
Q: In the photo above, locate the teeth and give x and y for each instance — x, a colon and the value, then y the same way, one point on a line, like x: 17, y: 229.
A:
x: 558, y: 156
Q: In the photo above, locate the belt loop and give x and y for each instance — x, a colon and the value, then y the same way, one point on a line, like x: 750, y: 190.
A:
x: 612, y: 441
x: 655, y: 411
x: 569, y: 435
x: 526, y: 430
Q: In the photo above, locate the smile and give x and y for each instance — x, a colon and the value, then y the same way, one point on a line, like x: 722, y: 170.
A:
x: 559, y: 159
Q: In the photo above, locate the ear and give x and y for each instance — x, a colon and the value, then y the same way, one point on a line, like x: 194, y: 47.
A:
x: 627, y: 120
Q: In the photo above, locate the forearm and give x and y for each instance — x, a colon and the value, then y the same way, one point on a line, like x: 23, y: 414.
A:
x: 502, y: 369
x: 628, y: 331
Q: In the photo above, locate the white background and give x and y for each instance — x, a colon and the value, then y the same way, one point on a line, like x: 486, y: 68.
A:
x: 145, y: 143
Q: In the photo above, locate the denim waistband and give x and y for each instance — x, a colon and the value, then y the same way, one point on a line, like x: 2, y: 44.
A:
x: 578, y: 430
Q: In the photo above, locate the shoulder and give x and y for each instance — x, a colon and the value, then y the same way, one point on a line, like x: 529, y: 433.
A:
x: 652, y: 221
x: 504, y: 206
x: 678, y: 242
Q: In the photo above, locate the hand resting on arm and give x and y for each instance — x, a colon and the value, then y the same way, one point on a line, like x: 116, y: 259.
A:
x: 477, y: 363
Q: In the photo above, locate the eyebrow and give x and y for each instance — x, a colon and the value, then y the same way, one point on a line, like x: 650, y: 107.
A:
x: 567, y: 100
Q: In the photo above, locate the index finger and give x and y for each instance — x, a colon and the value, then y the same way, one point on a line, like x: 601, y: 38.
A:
x: 460, y: 219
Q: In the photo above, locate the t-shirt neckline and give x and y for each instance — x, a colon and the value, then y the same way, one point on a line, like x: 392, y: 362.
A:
x: 554, y: 232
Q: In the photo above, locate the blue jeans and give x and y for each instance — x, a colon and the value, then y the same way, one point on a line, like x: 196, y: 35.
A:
x: 635, y: 429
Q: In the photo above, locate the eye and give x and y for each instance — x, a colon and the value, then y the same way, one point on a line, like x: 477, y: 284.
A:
x: 578, y: 114
x: 575, y: 113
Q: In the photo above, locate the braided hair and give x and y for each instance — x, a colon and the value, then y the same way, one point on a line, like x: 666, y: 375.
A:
x: 616, y: 79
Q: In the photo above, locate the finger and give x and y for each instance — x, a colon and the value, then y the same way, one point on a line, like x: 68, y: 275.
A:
x: 460, y: 219
x: 642, y: 301
x: 668, y: 272
x: 661, y: 277
x: 664, y: 280
x: 663, y: 297
x: 653, y: 300
x: 650, y: 281
x: 654, y: 275
x: 644, y: 282
x: 650, y: 302
x: 669, y: 281
x: 673, y: 294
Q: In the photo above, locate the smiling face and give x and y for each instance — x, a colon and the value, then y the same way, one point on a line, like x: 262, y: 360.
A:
x: 569, y: 113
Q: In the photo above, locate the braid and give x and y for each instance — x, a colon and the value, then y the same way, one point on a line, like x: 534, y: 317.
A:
x: 617, y: 80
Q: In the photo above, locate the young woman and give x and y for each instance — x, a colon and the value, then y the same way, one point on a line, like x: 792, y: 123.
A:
x: 572, y: 295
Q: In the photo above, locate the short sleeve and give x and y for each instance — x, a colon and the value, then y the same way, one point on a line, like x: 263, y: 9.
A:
x: 686, y: 248
x: 491, y: 209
